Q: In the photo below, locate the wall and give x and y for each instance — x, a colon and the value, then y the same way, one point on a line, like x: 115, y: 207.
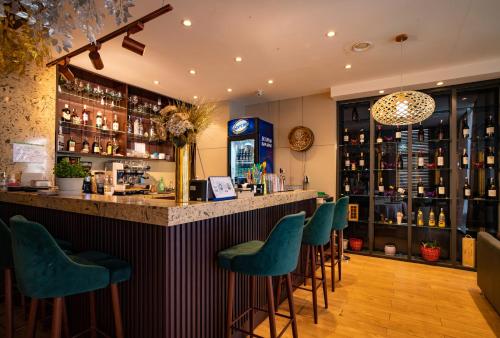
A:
x: 317, y: 112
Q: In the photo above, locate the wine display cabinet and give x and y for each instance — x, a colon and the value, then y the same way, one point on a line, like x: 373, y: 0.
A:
x: 433, y: 182
x: 101, y: 117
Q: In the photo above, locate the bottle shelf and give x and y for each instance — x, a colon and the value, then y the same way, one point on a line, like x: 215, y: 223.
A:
x: 359, y: 145
x: 479, y: 199
x: 88, y: 129
x: 431, y: 198
x: 393, y: 224
x: 115, y: 157
x: 430, y: 227
x: 430, y: 169
x: 78, y: 99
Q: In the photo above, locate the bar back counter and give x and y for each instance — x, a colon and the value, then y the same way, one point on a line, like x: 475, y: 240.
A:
x: 176, y: 289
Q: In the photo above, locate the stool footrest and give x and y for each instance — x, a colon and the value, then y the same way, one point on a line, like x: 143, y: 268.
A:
x: 234, y: 327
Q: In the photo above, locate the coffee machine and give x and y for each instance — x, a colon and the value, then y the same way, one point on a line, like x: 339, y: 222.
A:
x: 129, y: 177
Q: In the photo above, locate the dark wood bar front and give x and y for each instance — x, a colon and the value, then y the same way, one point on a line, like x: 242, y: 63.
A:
x: 176, y: 289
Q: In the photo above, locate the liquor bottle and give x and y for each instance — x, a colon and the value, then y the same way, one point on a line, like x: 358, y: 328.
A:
x: 116, y: 125
x: 347, y: 161
x: 421, y: 134
x: 353, y: 165
x: 380, y: 139
x: 105, y: 123
x: 492, y: 189
x: 136, y: 126
x: 397, y: 135
x: 420, y: 218
x: 66, y: 113
x: 346, y: 136
x: 362, y: 160
x: 355, y: 115
x: 381, y: 187
x: 442, y: 219
x: 115, y: 146
x: 347, y: 186
x: 490, y: 157
x: 60, y: 139
x: 381, y: 162
x: 465, y: 160
x: 440, y: 158
x: 98, y: 120
x: 420, y: 188
x: 490, y: 127
x: 96, y: 148
x: 85, y: 146
x: 130, y: 127
x: 465, y: 128
x: 420, y: 160
x: 109, y: 148
x: 440, y: 135
x: 432, y: 218
x: 467, y: 190
x: 71, y: 144
x: 75, y: 119
x: 85, y: 115
x: 362, y: 136
x: 441, y: 188
x: 400, y: 162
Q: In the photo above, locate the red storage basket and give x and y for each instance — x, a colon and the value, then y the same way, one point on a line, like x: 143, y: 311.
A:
x: 356, y: 244
x: 430, y: 254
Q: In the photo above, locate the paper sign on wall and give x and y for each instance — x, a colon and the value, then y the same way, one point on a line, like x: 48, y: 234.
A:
x: 28, y: 153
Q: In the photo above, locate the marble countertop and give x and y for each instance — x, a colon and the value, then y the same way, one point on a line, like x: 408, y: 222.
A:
x: 151, y: 210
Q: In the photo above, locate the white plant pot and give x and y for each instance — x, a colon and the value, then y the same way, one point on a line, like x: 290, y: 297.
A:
x: 390, y: 249
x: 69, y: 186
x: 346, y: 244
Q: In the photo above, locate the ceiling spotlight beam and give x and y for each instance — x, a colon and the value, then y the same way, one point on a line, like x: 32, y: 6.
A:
x: 122, y: 30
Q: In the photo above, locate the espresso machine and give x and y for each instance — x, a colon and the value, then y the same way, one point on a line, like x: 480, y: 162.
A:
x: 129, y: 177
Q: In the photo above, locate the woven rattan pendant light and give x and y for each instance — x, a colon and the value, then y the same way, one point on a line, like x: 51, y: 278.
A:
x: 405, y: 106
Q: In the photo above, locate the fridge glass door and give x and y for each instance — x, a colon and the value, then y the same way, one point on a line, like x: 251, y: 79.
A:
x: 242, y: 157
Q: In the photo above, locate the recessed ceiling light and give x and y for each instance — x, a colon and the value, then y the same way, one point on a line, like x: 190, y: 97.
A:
x: 348, y: 66
x: 187, y: 22
x: 238, y: 59
x: 195, y: 97
x: 270, y: 81
x: 330, y: 34
x: 229, y: 90
x: 381, y: 91
x: 156, y: 82
x: 192, y: 72
x: 440, y: 83
x: 361, y: 46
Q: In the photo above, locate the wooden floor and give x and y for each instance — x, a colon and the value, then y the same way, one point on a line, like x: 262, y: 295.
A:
x: 388, y: 298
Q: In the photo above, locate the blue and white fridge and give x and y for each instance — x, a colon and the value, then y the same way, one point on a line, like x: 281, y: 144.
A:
x: 250, y: 141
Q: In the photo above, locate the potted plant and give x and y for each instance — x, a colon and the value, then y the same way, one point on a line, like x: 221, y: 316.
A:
x: 69, y: 177
x: 430, y: 250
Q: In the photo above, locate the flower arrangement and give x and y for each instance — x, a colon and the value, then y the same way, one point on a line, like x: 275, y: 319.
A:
x: 183, y: 121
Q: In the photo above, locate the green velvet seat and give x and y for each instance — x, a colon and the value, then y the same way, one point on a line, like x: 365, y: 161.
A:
x: 338, y: 226
x: 317, y: 230
x: 276, y: 256
x: 340, y: 215
x: 119, y: 270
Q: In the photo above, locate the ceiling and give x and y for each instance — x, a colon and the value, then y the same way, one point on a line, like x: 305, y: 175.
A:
x: 285, y: 40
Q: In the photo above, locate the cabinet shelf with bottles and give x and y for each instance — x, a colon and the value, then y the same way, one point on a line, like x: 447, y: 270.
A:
x: 442, y: 192
x: 101, y: 117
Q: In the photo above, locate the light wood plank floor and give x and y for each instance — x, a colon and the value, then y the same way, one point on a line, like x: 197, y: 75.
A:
x: 388, y: 298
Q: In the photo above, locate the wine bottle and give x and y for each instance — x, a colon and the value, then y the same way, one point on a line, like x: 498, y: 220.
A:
x: 98, y: 120
x: 130, y: 127
x: 85, y: 146
x: 115, y: 146
x: 400, y: 162
x: 381, y: 187
x: 420, y: 160
x: 347, y: 161
x: 467, y: 190
x: 109, y: 148
x: 421, y: 134
x: 347, y: 186
x: 420, y: 188
x: 440, y: 158
x: 85, y: 115
x: 362, y: 136
x: 116, y: 125
x: 440, y: 135
x: 490, y: 127
x: 381, y: 163
x: 96, y: 148
x: 432, y: 218
x: 66, y: 113
x: 492, y: 189
x: 465, y: 160
x: 380, y: 139
x: 355, y: 115
x: 420, y: 218
x: 362, y: 160
x: 465, y: 128
x: 346, y: 136
x: 353, y: 165
x: 71, y: 144
x: 75, y: 119
x: 441, y: 188
x: 442, y: 219
x: 397, y: 135
x: 490, y: 157
x: 136, y: 126
x: 60, y: 139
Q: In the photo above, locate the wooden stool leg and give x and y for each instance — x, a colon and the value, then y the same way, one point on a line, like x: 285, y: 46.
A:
x: 308, y: 254
x: 230, y: 304
x: 341, y: 251
x: 252, y: 303
x: 93, y: 320
x: 65, y: 323
x: 30, y: 333
x: 313, y: 278
x: 289, y: 293
x: 332, y: 258
x: 23, y: 305
x: 278, y: 293
x: 117, y: 312
x: 9, y: 318
x: 270, y: 306
x: 323, y: 274
x: 57, y: 318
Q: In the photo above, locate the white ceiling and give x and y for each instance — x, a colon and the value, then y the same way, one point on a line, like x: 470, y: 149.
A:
x: 284, y: 40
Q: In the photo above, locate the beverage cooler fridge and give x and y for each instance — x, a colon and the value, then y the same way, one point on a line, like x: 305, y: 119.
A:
x: 250, y: 141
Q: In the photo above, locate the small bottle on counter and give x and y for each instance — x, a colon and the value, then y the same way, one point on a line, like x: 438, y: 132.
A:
x: 161, y: 186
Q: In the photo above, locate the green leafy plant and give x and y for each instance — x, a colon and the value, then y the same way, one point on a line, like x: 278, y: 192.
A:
x: 65, y: 169
x: 430, y: 244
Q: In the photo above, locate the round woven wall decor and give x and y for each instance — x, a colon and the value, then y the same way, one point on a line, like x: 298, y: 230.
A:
x: 300, y: 138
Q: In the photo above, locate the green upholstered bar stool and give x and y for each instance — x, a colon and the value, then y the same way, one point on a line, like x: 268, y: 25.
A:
x: 338, y: 226
x: 7, y: 266
x: 44, y: 270
x: 277, y: 256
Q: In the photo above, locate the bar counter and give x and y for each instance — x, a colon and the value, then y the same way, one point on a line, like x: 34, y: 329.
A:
x: 177, y: 289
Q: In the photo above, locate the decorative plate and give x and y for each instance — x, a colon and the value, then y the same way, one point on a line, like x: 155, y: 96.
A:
x: 300, y: 138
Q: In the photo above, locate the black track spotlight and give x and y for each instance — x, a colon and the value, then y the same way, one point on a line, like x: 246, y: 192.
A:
x: 95, y: 57
x: 65, y: 71
x: 131, y: 44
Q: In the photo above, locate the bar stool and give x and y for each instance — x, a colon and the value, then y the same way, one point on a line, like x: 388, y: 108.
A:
x: 277, y: 256
x: 7, y: 266
x: 338, y: 225
x: 45, y: 271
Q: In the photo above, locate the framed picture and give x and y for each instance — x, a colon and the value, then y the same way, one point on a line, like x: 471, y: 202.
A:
x: 353, y: 214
